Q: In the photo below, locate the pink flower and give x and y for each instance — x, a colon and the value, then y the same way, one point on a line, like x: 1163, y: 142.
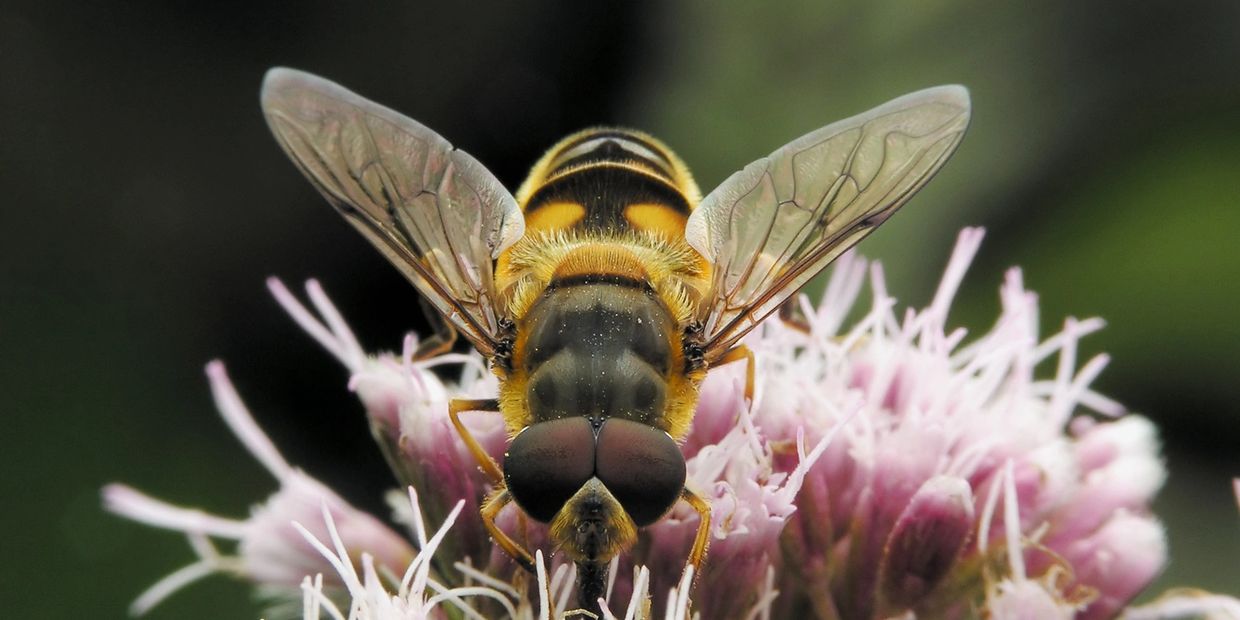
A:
x: 270, y: 551
x: 889, y: 468
x: 935, y: 409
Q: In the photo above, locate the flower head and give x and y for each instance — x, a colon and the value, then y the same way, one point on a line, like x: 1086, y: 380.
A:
x: 270, y: 551
x: 883, y: 525
x: 891, y: 468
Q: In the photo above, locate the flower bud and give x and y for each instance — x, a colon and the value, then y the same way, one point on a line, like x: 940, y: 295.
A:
x: 1118, y: 561
x: 926, y: 541
x: 1121, y: 470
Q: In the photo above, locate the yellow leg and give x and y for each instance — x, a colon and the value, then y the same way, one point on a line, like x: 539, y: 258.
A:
x: 489, y: 511
x: 737, y: 353
x: 436, y: 345
x: 702, y: 540
x: 455, y: 407
x: 442, y: 340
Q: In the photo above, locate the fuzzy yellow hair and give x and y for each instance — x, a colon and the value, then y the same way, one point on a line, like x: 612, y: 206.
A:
x: 671, y: 266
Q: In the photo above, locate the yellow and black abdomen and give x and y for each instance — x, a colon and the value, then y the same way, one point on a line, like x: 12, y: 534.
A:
x: 598, y: 287
x: 609, y: 181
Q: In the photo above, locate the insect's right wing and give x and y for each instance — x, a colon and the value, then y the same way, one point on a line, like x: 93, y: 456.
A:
x: 433, y: 210
x: 772, y: 226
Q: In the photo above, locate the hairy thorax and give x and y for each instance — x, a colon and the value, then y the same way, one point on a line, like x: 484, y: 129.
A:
x: 598, y: 330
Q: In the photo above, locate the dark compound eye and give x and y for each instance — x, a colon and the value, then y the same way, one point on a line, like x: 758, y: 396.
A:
x: 641, y: 466
x: 547, y: 463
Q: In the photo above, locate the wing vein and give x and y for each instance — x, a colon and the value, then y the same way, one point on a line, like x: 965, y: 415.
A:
x: 374, y: 166
x: 811, y: 200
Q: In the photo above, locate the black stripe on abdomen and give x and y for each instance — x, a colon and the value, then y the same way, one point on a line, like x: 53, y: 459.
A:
x: 610, y: 151
x: 622, y: 136
x: 605, y: 191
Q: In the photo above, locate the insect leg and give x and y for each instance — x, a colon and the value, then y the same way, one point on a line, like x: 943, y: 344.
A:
x: 489, y: 511
x: 702, y: 540
x: 791, y: 314
x: 736, y: 353
x: 455, y: 407
x: 442, y: 340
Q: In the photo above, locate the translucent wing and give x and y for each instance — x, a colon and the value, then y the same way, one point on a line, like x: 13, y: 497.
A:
x: 432, y: 210
x: 772, y: 226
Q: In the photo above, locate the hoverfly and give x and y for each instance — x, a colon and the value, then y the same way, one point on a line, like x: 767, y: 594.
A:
x: 607, y: 286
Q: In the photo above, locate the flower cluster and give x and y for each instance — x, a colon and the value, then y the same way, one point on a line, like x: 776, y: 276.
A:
x: 883, y: 470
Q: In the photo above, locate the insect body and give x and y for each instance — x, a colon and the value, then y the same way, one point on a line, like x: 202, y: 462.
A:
x: 599, y: 386
x: 606, y: 287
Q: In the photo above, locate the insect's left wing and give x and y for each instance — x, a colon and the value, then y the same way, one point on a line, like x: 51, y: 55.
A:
x: 775, y: 224
x: 433, y: 210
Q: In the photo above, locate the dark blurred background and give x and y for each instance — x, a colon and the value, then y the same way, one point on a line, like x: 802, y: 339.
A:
x: 144, y: 202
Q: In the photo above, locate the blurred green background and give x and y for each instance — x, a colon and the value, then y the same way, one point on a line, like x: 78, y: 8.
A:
x: 145, y: 202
